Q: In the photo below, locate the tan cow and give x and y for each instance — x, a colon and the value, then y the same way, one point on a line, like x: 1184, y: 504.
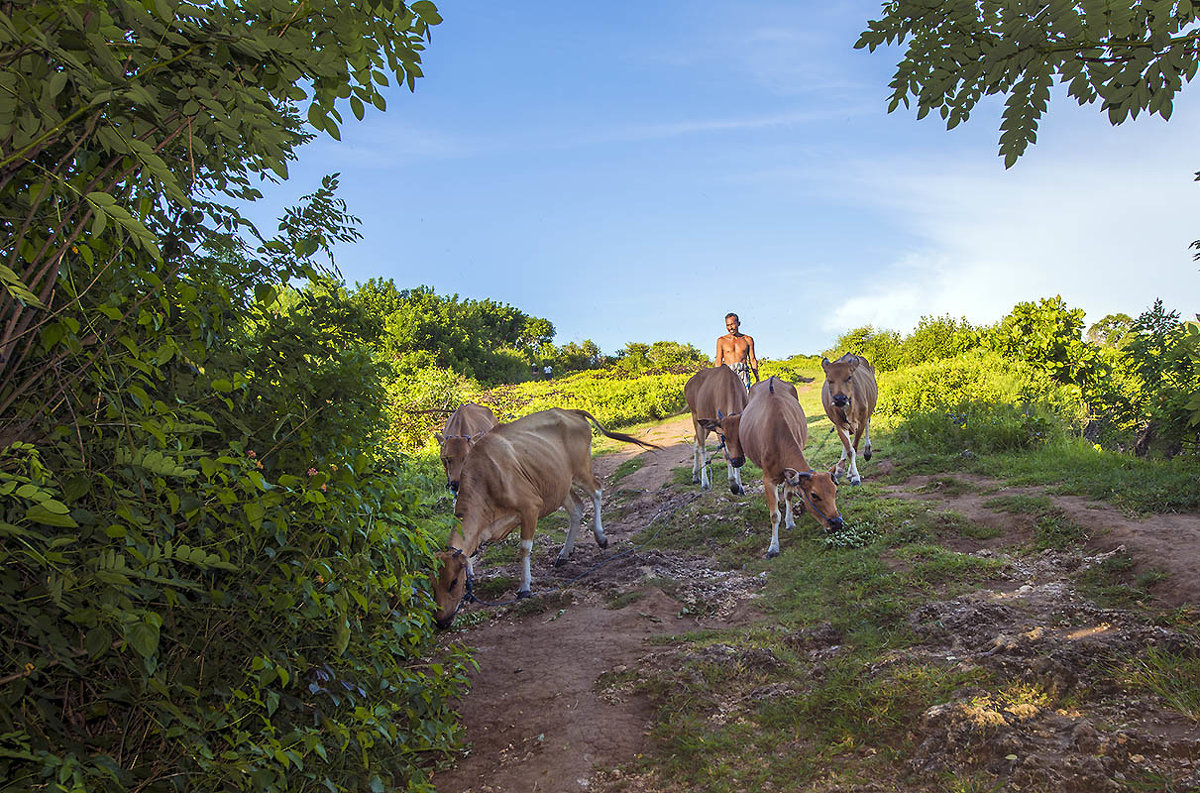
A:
x: 849, y: 395
x: 464, y: 427
x: 773, y: 431
x: 716, y: 398
x: 517, y: 473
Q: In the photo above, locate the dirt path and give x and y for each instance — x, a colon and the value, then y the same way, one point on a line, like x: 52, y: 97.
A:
x: 539, y: 718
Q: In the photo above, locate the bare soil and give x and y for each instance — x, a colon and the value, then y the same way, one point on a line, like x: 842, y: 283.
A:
x: 540, y: 715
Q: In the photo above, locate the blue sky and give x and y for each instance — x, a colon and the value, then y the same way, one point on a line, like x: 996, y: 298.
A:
x: 633, y: 171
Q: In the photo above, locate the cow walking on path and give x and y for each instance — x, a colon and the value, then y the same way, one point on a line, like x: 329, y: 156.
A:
x: 464, y: 427
x: 716, y: 398
x: 517, y: 473
x: 849, y: 396
x: 773, y: 431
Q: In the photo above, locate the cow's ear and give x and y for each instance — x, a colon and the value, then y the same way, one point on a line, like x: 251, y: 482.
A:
x: 794, y: 477
x: 825, y: 364
x: 709, y: 424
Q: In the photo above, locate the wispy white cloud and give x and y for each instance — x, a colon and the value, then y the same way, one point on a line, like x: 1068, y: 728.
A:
x: 1106, y: 234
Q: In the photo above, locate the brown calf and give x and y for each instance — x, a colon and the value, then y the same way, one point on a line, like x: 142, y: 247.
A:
x: 517, y: 473
x: 849, y: 396
x: 716, y: 398
x: 464, y: 427
x: 774, y: 430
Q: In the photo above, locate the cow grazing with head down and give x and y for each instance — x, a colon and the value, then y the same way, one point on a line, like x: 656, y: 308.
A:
x: 716, y: 398
x: 517, y: 473
x: 464, y: 427
x: 774, y: 430
x: 849, y: 395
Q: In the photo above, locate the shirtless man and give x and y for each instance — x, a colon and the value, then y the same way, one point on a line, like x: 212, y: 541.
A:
x: 736, y: 350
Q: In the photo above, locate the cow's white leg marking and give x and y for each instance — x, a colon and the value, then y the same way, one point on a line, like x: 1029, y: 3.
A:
x: 769, y: 490
x: 526, y: 577
x: 735, y: 479
x: 598, y: 530
x: 855, y: 479
x: 574, y: 517
x: 867, y: 438
x: 788, y: 521
x: 697, y: 459
x: 847, y: 451
x: 701, y: 463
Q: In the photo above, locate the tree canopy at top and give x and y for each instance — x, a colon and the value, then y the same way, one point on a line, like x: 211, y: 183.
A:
x: 1132, y: 55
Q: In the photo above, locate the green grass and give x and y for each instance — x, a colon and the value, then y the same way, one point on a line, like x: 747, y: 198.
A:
x: 948, y: 486
x: 626, y: 468
x: 1171, y: 676
x: 1114, y: 584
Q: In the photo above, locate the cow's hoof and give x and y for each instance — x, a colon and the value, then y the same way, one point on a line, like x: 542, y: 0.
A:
x: 559, y: 561
x: 856, y: 481
x: 737, y: 490
x: 524, y: 593
x: 602, y: 542
x: 772, y: 554
x: 695, y: 479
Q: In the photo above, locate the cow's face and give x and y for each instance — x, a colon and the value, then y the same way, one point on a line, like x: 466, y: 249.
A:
x: 449, y: 586
x: 837, y: 379
x: 727, y: 429
x: 820, y: 495
x: 454, y: 454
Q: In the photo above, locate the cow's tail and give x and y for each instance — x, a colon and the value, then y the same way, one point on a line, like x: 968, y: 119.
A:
x: 616, y: 436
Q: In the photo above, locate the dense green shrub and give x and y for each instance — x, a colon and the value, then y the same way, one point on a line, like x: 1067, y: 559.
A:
x: 982, y: 428
x: 977, y: 377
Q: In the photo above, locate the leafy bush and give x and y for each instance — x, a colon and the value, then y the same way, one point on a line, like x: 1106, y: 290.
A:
x: 977, y: 377
x: 981, y: 428
x: 419, y: 404
x: 979, y: 401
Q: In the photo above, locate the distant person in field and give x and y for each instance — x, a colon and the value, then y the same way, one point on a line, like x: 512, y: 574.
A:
x: 736, y: 350
x: 548, y: 371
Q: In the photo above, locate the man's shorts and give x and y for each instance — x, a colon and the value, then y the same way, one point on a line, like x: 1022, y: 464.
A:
x: 742, y: 370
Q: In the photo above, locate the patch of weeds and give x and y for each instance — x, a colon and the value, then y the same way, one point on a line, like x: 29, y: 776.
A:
x: 682, y: 476
x: 1055, y: 530
x: 540, y: 604
x: 731, y: 529
x: 500, y: 553
x: 1140, y: 485
x: 931, y: 567
x: 1171, y: 676
x: 1114, y: 583
x: 1020, y: 503
x: 948, y: 486
x: 626, y: 468
x: 624, y: 599
x: 951, y: 522
x: 493, y: 586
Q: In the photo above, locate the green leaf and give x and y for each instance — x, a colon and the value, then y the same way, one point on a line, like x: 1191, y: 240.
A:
x: 39, y: 514
x: 98, y: 641
x: 143, y: 637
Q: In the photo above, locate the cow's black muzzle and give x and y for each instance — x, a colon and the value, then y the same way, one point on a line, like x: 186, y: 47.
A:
x: 841, y: 400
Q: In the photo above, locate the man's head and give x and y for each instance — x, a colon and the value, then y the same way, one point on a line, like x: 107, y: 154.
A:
x: 732, y: 322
